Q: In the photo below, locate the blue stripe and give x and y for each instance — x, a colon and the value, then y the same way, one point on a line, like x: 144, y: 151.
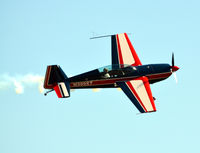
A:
x: 115, y: 57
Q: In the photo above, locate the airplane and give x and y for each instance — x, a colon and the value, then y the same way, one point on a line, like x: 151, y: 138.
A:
x: 125, y: 72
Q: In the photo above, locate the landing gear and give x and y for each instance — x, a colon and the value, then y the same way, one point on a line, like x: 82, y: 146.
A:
x: 48, y: 92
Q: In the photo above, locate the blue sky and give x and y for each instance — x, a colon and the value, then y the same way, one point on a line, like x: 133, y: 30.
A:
x: 34, y: 34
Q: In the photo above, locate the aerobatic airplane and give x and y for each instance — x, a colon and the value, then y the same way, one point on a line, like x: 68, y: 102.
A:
x: 125, y: 72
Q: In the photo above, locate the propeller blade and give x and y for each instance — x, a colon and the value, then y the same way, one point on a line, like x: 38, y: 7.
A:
x: 175, y: 77
x: 172, y: 59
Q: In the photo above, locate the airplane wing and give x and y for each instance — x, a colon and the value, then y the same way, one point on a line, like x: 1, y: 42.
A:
x: 123, y: 51
x: 139, y: 92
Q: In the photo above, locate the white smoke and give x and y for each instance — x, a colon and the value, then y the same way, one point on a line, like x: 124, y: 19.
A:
x: 21, y: 82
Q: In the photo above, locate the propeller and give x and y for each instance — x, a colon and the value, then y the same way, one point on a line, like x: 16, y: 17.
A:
x: 174, y: 68
x: 172, y: 59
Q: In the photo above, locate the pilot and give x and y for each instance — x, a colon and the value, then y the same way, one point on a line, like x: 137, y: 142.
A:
x: 106, y: 74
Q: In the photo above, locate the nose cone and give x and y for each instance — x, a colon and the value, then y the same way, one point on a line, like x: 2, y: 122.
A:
x: 174, y: 68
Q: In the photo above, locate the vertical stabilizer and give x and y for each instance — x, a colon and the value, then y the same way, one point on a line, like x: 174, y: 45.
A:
x: 56, y: 79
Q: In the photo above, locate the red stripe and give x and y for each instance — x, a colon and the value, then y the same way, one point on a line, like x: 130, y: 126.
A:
x: 119, y: 51
x: 159, y: 76
x: 57, y: 90
x: 135, y: 94
x: 46, y: 85
x: 148, y: 89
x: 114, y: 80
x: 135, y: 56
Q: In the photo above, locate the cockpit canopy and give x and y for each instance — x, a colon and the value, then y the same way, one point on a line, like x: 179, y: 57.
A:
x: 113, y: 67
x: 116, y: 70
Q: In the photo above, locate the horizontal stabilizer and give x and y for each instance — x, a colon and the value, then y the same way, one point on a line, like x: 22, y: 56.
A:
x: 62, y: 90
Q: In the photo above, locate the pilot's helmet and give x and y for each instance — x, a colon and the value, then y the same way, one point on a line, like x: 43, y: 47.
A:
x: 105, y: 70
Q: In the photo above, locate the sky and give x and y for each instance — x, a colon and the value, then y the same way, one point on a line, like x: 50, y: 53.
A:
x: 35, y: 33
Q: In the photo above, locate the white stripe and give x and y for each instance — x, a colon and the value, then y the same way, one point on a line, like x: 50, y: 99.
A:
x: 125, y: 50
x: 139, y: 87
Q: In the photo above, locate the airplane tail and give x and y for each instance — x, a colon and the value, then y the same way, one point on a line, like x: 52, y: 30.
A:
x: 56, y: 79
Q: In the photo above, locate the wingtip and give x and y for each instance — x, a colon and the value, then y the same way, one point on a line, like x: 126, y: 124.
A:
x: 146, y: 112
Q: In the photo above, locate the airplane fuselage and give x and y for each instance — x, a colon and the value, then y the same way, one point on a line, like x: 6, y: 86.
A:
x: 107, y: 77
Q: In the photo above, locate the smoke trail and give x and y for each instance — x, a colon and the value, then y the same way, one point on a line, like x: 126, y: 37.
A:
x: 20, y: 82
